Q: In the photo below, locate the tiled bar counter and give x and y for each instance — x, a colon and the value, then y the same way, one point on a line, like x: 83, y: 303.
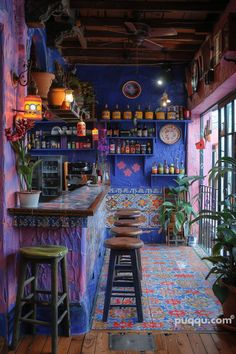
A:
x: 75, y: 220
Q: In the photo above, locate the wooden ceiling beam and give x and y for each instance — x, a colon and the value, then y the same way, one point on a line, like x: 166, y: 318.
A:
x: 90, y: 34
x: 121, y: 45
x: 192, y: 6
x: 141, y: 53
x: 98, y: 23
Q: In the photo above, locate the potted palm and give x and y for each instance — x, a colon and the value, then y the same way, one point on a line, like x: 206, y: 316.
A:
x: 178, y: 211
x: 223, y: 256
x: 24, y: 165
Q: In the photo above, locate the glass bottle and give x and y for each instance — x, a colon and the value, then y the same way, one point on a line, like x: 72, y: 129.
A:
x: 109, y: 130
x: 116, y: 114
x: 139, y: 130
x: 132, y: 147
x: 112, y: 147
x: 149, y: 147
x: 138, y: 113
x: 106, y: 114
x: 118, y: 147
x: 160, y: 168
x: 171, y: 114
x: 182, y: 169
x: 127, y: 113
x: 145, y: 131
x: 148, y: 113
x: 123, y: 147
x: 177, y: 166
x: 154, y: 168
x: 127, y: 147
x: 137, y: 148
x: 160, y: 113
x: 172, y: 169
x: 166, y: 167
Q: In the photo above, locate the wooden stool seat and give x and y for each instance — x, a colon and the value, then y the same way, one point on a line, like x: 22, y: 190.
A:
x: 123, y: 279
x: 127, y: 213
x: 128, y: 223
x: 49, y: 251
x: 123, y: 243
x: 126, y: 231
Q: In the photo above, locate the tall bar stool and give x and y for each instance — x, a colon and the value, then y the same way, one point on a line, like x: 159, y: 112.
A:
x: 33, y: 256
x: 120, y: 246
x: 128, y: 223
x: 128, y: 213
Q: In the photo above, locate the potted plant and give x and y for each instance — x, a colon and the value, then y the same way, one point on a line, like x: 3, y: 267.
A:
x: 223, y: 256
x: 24, y: 164
x: 56, y: 94
x: 178, y: 211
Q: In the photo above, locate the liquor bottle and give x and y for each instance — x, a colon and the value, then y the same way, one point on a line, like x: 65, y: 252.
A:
x: 106, y: 114
x: 123, y: 147
x: 94, y: 174
x: 127, y: 147
x: 112, y: 147
x: 145, y: 131
x: 182, y: 169
x: 138, y: 113
x: 137, y: 148
x: 32, y: 141
x: 116, y: 114
x: 132, y: 147
x: 166, y: 167
x: 171, y: 114
x: 149, y: 147
x: 177, y: 166
x: 118, y: 147
x: 148, y: 113
x: 172, y: 169
x: 109, y: 130
x: 139, y: 130
x: 160, y: 168
x: 154, y: 168
x: 127, y: 113
x: 116, y: 131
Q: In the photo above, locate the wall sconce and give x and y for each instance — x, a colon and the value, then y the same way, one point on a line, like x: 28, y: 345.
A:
x: 23, y: 78
x: 69, y: 98
x: 164, y: 101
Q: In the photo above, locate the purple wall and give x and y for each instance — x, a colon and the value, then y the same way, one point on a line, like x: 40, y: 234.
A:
x: 13, y: 39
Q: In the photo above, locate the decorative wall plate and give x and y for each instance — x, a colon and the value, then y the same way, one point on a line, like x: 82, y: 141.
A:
x: 170, y: 134
x: 131, y: 89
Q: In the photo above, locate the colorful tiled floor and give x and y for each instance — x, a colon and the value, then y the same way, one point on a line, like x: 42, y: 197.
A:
x: 174, y: 291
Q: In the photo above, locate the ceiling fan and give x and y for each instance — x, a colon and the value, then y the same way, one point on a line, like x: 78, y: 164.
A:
x: 141, y: 34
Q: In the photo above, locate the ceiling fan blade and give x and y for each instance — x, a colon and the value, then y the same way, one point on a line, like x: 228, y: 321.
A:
x: 130, y: 27
x: 162, y: 32
x: 151, y: 45
x: 114, y: 30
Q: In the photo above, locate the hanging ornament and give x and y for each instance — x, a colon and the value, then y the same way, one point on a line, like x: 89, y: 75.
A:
x: 81, y: 128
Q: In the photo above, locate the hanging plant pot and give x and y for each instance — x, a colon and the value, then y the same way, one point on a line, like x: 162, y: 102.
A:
x: 43, y: 81
x: 29, y: 199
x: 56, y: 96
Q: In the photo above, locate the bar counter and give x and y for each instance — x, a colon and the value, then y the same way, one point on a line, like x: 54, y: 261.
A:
x: 76, y: 220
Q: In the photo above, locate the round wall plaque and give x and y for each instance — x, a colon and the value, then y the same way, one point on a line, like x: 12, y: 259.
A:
x: 170, y: 134
x: 131, y: 89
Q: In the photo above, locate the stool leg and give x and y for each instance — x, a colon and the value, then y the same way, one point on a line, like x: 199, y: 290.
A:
x: 34, y: 267
x: 110, y: 278
x: 65, y: 290
x: 54, y: 282
x: 137, y: 285
x: 18, y: 308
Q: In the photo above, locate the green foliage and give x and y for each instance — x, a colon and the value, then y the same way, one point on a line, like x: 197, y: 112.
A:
x: 179, y: 208
x: 223, y: 256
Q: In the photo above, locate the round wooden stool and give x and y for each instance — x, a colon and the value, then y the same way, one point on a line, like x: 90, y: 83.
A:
x: 128, y: 223
x: 126, y: 231
x: 33, y: 256
x: 127, y: 213
x: 120, y: 246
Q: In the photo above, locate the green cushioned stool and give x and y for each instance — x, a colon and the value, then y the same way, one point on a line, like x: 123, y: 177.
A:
x: 33, y: 256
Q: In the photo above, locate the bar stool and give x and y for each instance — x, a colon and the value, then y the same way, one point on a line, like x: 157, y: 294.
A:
x: 128, y: 213
x: 33, y: 256
x: 128, y: 222
x: 120, y: 246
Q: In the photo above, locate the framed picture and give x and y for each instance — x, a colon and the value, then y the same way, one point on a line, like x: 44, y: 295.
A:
x: 131, y: 89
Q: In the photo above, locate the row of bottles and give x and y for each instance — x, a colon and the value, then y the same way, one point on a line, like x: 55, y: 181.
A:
x: 171, y: 112
x: 138, y: 131
x: 130, y: 147
x: 172, y: 168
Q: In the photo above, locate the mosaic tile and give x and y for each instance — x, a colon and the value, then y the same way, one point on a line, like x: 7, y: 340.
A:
x: 174, y: 287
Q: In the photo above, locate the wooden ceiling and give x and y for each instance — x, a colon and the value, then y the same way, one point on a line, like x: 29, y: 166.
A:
x: 139, y: 32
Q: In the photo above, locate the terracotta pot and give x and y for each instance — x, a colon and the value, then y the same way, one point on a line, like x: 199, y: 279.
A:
x: 56, y: 96
x: 29, y: 199
x: 43, y: 81
x: 229, y: 306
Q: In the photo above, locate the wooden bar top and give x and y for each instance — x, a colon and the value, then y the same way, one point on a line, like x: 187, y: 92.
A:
x: 81, y: 202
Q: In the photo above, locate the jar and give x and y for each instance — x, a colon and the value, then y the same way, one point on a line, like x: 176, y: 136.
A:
x: 172, y: 169
x: 143, y: 149
x: 171, y: 114
x: 160, y: 114
x: 154, y: 169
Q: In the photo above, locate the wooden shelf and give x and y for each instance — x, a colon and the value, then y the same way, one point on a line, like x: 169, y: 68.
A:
x: 165, y: 175
x: 53, y: 150
x: 132, y: 137
x: 163, y: 121
x: 145, y: 155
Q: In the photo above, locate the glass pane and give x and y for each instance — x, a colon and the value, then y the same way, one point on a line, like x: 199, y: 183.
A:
x: 222, y: 148
x: 229, y: 117
x: 229, y: 183
x: 235, y: 116
x: 222, y: 119
x: 229, y: 145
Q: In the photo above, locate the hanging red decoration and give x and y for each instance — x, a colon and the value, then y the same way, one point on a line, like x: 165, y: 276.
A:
x: 200, y: 145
